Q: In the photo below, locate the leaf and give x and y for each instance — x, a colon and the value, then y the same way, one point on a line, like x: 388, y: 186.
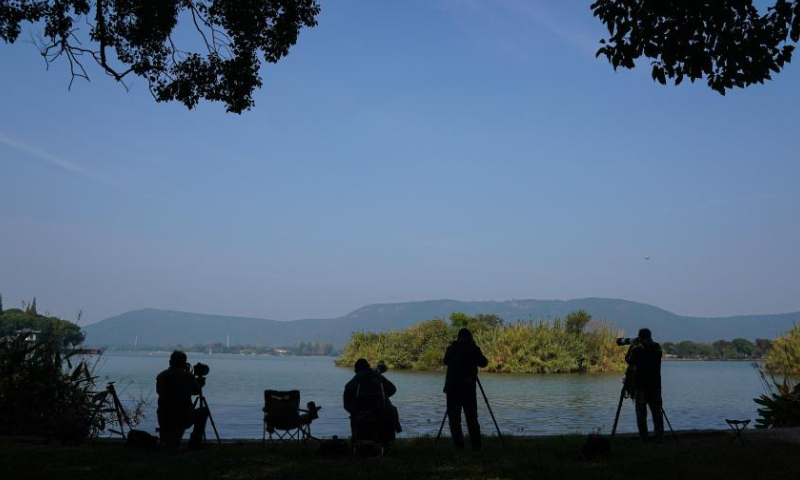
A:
x: 661, y: 78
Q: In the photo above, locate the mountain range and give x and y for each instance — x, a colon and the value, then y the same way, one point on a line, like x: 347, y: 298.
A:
x: 153, y: 327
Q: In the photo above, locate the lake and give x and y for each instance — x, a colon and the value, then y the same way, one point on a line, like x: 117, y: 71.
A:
x: 697, y: 395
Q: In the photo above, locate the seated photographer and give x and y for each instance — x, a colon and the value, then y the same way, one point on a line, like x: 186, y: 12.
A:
x: 368, y: 393
x: 175, y: 387
x: 644, y: 375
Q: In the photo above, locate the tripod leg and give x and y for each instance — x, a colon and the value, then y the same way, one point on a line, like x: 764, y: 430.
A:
x: 619, y: 408
x: 121, y: 416
x: 213, y: 425
x: 441, y: 427
x: 485, y: 399
x: 669, y: 424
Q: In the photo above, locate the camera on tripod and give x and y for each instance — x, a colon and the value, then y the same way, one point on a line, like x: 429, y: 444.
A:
x: 200, y: 370
x: 381, y: 367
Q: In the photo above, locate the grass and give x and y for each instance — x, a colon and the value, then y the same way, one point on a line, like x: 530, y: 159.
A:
x: 706, y: 456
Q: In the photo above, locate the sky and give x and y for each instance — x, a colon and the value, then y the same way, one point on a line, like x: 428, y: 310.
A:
x: 473, y: 150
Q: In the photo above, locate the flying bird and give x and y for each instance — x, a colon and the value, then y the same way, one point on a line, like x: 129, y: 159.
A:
x: 647, y: 258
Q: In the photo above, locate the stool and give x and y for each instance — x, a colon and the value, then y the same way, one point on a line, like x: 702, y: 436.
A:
x: 738, y: 427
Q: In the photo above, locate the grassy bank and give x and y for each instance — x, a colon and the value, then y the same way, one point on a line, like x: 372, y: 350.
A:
x: 706, y: 456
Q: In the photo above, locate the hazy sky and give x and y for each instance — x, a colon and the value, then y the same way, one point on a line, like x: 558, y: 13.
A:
x: 403, y: 151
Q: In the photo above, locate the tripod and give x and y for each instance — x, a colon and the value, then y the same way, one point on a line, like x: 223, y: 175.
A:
x: 119, y: 411
x: 623, y: 394
x: 202, y: 403
x: 485, y: 399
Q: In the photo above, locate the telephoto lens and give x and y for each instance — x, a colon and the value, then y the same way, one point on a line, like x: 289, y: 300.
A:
x: 624, y: 341
x: 201, y: 369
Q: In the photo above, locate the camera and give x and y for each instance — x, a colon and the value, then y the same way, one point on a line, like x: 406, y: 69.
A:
x: 381, y: 367
x: 625, y: 341
x: 200, y: 370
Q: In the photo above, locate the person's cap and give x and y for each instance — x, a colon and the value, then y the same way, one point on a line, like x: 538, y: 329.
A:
x: 645, y: 334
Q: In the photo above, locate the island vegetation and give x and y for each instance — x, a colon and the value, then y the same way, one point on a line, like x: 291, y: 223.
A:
x: 575, y: 344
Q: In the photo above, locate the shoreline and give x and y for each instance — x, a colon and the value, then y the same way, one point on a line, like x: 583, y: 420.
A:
x: 791, y: 434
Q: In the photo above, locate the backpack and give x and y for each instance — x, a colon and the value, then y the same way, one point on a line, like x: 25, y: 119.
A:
x: 140, y: 439
x: 596, y: 446
x: 334, y: 447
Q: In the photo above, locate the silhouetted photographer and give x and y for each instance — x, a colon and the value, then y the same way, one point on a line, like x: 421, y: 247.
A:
x: 643, y: 382
x: 463, y: 357
x: 175, y: 387
x: 366, y: 399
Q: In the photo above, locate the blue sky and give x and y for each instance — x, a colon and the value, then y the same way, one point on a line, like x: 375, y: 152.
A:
x: 403, y: 151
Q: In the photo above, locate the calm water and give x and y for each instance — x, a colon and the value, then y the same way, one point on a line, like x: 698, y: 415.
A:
x: 696, y: 395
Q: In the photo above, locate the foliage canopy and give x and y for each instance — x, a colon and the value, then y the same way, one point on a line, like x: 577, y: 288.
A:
x: 192, y: 50
x: 50, y: 329
x: 728, y: 42
x: 148, y: 38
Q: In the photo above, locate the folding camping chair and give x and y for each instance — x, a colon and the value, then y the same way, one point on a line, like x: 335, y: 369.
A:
x: 738, y: 427
x: 284, y: 418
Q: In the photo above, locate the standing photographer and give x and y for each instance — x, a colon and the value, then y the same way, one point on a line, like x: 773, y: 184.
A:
x: 644, y: 358
x: 175, y: 387
x: 463, y: 358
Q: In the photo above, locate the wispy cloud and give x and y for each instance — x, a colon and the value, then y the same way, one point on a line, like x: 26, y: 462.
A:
x: 540, y: 13
x: 511, y: 24
x: 54, y: 159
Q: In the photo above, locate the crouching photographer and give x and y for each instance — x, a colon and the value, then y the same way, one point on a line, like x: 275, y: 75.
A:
x: 643, y: 381
x: 176, y: 412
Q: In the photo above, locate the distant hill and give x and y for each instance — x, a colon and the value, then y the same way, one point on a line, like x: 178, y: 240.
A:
x: 164, y: 327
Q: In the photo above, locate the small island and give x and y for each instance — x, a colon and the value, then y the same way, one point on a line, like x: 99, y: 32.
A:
x: 575, y: 344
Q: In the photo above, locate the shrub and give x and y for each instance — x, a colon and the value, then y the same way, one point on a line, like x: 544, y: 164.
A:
x: 780, y: 374
x: 780, y: 405
x: 577, y: 345
x: 50, y: 392
x: 784, y: 356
